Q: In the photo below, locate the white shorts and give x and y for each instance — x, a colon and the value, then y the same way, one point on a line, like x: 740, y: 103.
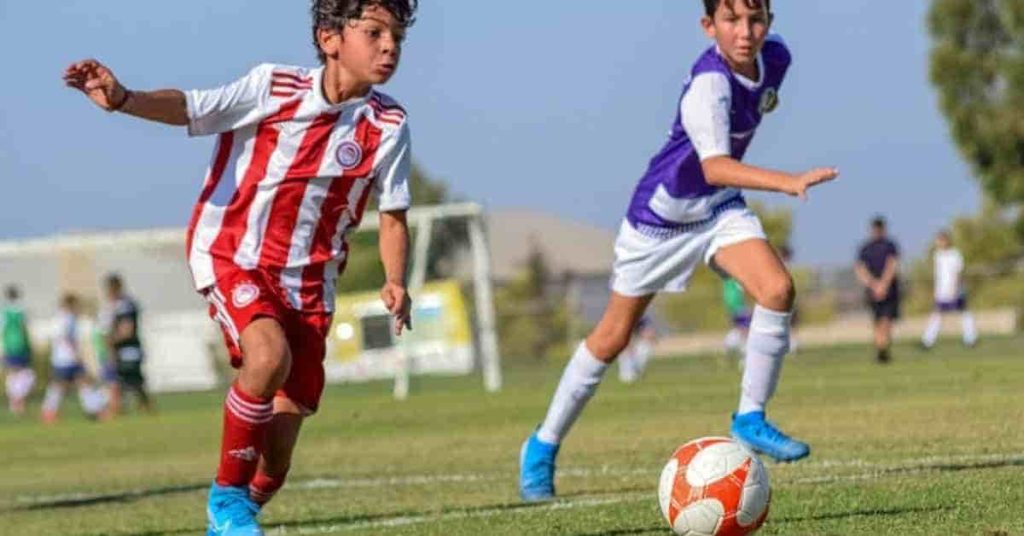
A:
x: 645, y: 265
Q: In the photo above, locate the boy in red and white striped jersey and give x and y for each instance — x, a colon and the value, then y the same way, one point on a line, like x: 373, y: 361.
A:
x: 300, y: 152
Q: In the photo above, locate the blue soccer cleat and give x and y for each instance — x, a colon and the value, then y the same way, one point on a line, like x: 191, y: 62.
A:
x: 537, y: 470
x: 231, y: 512
x: 760, y: 435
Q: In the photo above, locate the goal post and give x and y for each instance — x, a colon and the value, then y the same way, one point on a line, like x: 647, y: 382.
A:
x: 183, y: 345
x: 422, y: 220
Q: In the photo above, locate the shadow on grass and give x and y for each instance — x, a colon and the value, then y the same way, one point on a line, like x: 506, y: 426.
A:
x: 393, y: 518
x: 655, y: 529
x: 107, y: 498
x: 866, y: 512
x: 937, y: 467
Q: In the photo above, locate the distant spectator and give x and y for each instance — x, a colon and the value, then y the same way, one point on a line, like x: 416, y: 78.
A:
x: 17, y: 351
x: 877, y: 268
x: 786, y: 254
x: 735, y: 300
x: 66, y: 366
x: 950, y: 296
x: 633, y: 360
x: 121, y: 325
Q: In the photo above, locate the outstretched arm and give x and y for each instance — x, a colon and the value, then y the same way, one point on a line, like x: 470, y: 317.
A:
x: 729, y: 172
x: 705, y: 112
x: 394, y: 248
x: 98, y: 82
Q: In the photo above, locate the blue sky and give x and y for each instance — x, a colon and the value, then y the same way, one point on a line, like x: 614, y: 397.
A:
x: 553, y: 106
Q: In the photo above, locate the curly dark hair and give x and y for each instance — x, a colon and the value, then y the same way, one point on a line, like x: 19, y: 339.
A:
x: 711, y: 5
x: 333, y: 14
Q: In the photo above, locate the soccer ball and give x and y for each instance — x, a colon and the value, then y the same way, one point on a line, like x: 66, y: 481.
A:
x: 714, y: 486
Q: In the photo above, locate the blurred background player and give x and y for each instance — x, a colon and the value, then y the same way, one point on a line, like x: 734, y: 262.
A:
x: 950, y: 296
x: 735, y: 300
x: 786, y: 254
x: 66, y: 368
x: 19, y: 378
x: 120, y: 320
x: 634, y: 359
x: 688, y: 208
x: 877, y: 268
x: 306, y: 148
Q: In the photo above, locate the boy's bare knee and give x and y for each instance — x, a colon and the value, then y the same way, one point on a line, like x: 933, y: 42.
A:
x: 778, y: 294
x: 607, y: 344
x: 266, y: 359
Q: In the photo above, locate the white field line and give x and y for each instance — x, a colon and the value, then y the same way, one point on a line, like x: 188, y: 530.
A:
x: 402, y: 521
x: 873, y: 468
x: 879, y: 471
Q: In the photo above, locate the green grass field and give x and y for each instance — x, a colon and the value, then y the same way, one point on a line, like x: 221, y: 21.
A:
x: 932, y: 444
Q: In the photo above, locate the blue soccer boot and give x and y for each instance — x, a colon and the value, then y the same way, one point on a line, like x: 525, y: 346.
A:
x: 760, y: 435
x: 537, y: 470
x: 231, y: 512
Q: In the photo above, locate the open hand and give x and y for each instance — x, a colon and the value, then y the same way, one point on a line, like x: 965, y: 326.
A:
x: 399, y: 304
x: 97, y: 82
x: 811, y: 178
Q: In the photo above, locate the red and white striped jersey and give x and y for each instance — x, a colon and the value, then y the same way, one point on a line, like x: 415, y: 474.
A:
x: 290, y: 177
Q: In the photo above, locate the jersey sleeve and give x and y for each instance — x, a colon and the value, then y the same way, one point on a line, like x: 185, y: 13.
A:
x: 226, y: 108
x: 894, y: 250
x: 705, y: 114
x: 862, y: 255
x: 393, y: 170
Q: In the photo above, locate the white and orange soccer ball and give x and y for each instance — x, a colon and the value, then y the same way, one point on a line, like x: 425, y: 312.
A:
x: 714, y: 486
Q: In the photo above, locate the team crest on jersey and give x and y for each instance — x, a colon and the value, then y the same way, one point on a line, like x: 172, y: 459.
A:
x: 769, y: 101
x: 349, y: 154
x: 244, y: 293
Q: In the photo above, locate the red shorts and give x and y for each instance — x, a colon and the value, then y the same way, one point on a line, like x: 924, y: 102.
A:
x: 240, y: 297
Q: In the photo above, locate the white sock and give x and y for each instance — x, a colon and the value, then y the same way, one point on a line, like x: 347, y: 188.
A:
x: 733, y: 340
x: 579, y: 382
x: 627, y: 365
x: 970, y: 330
x: 52, y: 398
x: 767, y: 344
x: 641, y: 356
x: 19, y: 384
x: 932, y: 331
x: 92, y: 399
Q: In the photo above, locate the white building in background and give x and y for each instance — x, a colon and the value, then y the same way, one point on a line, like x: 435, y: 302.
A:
x: 578, y: 255
x: 177, y: 335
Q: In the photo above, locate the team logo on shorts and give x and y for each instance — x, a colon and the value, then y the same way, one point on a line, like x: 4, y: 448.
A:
x: 769, y: 101
x: 349, y: 154
x: 244, y: 293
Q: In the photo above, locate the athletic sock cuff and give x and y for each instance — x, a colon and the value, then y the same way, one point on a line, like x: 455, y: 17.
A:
x: 770, y: 322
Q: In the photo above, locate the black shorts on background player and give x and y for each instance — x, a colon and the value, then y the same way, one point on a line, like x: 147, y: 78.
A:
x: 889, y: 308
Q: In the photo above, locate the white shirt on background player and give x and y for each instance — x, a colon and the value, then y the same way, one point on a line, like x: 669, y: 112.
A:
x: 949, y: 264
x: 64, y: 351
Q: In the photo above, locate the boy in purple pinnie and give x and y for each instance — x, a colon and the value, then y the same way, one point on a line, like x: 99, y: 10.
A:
x: 689, y: 207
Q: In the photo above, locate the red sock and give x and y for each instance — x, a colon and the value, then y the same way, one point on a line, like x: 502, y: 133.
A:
x: 263, y: 487
x: 245, y: 423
